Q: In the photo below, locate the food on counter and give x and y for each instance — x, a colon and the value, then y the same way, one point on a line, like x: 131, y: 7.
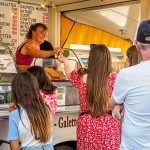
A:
x: 62, y: 76
x: 54, y: 74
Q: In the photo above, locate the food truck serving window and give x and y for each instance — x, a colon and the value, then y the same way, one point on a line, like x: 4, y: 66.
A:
x: 67, y: 95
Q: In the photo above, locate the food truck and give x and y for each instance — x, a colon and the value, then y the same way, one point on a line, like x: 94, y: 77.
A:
x: 65, y: 120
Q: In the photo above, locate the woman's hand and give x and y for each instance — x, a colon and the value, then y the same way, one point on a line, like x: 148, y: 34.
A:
x: 14, y: 145
x: 63, y: 59
x: 82, y: 71
x: 12, y: 107
x: 67, y: 67
x: 58, y: 50
x: 118, y: 112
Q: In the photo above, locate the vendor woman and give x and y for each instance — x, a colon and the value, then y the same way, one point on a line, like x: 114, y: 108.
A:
x: 30, y: 48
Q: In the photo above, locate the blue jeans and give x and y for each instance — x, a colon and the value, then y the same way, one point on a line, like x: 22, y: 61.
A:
x: 44, y: 147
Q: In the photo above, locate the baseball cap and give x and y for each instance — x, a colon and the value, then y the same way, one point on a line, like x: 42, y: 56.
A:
x: 143, y: 33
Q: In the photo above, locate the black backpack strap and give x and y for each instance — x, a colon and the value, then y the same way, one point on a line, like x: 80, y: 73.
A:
x: 88, y: 112
x: 83, y: 113
x: 2, y: 141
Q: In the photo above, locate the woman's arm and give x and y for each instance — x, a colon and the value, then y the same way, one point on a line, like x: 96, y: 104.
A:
x: 112, y: 103
x: 31, y: 50
x: 14, y: 145
x: 67, y: 67
x: 12, y: 107
x: 13, y: 133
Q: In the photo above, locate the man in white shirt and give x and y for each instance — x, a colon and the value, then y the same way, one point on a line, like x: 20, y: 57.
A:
x: 132, y: 89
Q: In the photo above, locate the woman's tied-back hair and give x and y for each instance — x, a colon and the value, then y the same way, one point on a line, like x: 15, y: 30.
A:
x: 34, y: 27
x: 44, y: 83
x: 98, y: 71
x: 25, y: 93
x: 133, y: 55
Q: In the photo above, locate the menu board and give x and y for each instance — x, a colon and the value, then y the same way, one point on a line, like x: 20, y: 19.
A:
x: 15, y: 20
x: 30, y: 14
x: 9, y: 23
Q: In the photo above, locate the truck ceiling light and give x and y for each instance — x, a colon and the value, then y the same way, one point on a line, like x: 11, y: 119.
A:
x: 42, y: 5
x: 79, y: 47
x: 87, y: 47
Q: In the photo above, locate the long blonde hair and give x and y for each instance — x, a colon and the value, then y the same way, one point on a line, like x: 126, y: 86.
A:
x: 99, y: 68
x: 25, y: 93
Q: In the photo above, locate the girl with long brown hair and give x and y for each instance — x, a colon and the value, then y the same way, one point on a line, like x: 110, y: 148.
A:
x: 30, y: 123
x: 133, y: 56
x: 47, y: 89
x: 96, y: 128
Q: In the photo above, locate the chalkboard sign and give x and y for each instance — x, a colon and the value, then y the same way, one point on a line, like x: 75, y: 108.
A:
x: 9, y: 23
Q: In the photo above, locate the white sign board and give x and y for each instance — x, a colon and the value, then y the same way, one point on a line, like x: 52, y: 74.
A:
x: 30, y: 14
x: 6, y: 64
x: 15, y: 20
x: 9, y: 23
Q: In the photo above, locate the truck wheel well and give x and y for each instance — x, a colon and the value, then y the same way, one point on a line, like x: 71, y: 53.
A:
x: 71, y: 144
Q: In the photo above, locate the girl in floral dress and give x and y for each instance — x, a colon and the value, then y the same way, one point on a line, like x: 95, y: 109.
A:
x: 47, y: 89
x: 96, y: 128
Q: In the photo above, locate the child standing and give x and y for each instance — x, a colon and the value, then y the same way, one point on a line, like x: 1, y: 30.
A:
x: 47, y: 89
x: 96, y: 128
x: 30, y: 123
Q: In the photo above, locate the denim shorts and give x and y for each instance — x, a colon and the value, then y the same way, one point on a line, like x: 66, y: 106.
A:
x: 44, y: 147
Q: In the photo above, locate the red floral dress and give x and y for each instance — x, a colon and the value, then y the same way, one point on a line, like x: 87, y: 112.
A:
x: 102, y: 133
x: 51, y: 101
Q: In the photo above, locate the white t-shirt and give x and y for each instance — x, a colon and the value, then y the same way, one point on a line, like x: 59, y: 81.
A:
x: 22, y: 131
x: 132, y: 88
